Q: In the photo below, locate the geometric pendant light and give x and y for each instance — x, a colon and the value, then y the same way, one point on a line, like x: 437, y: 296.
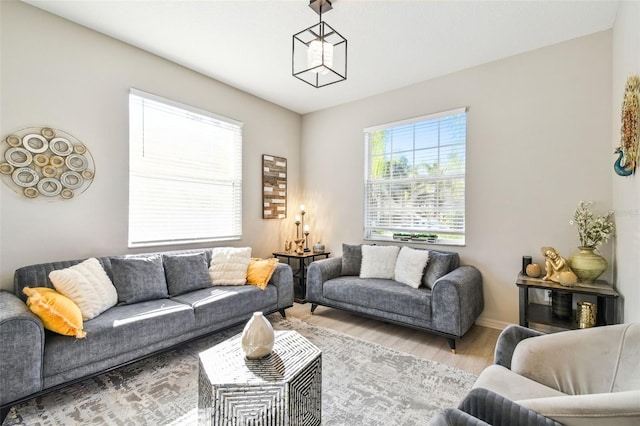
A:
x: 319, y: 52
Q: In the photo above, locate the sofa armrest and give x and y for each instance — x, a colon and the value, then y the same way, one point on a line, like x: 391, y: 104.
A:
x: 319, y: 272
x: 457, y: 300
x: 497, y: 410
x: 507, y: 342
x: 282, y: 278
x: 21, y: 349
x: 455, y: 417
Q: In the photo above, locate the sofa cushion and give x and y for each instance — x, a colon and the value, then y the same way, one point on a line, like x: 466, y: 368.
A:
x: 613, y: 408
x: 260, y: 271
x: 378, y: 261
x: 385, y: 295
x: 87, y: 285
x: 229, y: 265
x: 440, y: 263
x: 512, y: 385
x: 139, y: 278
x: 351, y: 259
x: 186, y: 272
x: 218, y: 304
x: 58, y: 313
x: 119, y: 330
x: 410, y: 266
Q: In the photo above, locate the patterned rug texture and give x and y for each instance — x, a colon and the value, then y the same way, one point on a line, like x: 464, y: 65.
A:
x: 362, y: 384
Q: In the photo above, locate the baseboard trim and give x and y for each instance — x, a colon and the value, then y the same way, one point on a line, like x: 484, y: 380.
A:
x: 491, y: 323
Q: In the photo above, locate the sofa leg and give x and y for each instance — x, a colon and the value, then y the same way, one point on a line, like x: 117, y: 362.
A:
x: 452, y: 345
x: 313, y: 307
x: 283, y: 313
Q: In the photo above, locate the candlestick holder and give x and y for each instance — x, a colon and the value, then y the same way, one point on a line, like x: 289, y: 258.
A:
x: 306, y: 241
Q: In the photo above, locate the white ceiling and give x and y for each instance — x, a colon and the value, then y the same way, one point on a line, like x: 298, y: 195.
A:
x: 247, y: 43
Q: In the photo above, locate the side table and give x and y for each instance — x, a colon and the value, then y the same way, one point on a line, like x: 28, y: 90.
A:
x: 542, y: 314
x: 300, y: 264
x: 282, y: 389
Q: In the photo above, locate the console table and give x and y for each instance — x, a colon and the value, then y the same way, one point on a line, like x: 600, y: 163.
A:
x: 300, y: 264
x: 541, y: 314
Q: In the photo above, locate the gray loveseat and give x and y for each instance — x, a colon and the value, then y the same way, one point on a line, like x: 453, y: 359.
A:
x: 34, y: 360
x: 447, y: 302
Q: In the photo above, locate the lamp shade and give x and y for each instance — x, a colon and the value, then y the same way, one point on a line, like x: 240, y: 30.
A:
x: 319, y: 55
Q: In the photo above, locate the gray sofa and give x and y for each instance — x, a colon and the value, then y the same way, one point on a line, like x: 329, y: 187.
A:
x: 35, y: 360
x: 447, y: 302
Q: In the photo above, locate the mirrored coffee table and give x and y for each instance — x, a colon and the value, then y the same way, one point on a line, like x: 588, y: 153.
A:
x: 284, y: 388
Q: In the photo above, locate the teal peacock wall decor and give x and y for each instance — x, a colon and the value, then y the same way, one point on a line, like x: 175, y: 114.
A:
x: 625, y: 164
x: 618, y: 167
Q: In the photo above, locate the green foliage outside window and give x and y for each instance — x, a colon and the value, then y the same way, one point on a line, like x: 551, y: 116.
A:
x: 416, y: 179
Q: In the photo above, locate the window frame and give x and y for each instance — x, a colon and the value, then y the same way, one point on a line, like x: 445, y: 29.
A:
x: 220, y: 123
x: 450, y: 235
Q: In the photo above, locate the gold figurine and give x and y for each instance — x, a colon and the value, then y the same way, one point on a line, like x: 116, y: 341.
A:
x: 557, y: 268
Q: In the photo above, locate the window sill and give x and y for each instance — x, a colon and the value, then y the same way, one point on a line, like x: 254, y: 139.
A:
x: 182, y: 242
x: 437, y: 242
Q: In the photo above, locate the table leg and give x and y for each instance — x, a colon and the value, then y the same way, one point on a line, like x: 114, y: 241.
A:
x: 300, y: 288
x: 606, y: 311
x: 524, y: 306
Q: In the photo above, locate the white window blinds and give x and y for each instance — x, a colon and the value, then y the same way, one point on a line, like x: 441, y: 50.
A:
x: 415, y: 178
x: 185, y: 173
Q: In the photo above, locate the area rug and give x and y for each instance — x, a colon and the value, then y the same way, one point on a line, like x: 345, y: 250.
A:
x: 362, y: 384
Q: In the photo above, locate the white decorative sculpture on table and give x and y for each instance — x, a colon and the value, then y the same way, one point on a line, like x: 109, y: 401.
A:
x: 257, y: 337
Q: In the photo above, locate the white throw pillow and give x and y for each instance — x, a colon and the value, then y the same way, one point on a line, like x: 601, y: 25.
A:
x: 410, y: 266
x: 378, y: 261
x: 229, y: 265
x: 87, y: 285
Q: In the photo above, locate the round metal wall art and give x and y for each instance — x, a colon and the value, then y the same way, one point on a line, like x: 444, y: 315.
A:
x: 41, y: 162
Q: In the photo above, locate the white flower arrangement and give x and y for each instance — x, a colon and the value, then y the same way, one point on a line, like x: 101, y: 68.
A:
x: 592, y: 231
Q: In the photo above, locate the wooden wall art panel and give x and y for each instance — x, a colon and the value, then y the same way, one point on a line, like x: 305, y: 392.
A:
x: 274, y: 187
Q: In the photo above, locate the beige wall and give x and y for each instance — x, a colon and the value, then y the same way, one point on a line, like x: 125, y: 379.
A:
x: 538, y: 132
x: 62, y: 75
x: 626, y: 190
x: 539, y: 140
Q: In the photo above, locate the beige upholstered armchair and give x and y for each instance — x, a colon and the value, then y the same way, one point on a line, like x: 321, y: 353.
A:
x: 578, y: 377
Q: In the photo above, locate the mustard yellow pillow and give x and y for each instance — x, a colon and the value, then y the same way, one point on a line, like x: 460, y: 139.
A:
x: 260, y: 271
x: 57, y: 312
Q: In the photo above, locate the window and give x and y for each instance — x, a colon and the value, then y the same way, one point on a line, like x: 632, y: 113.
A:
x: 415, y: 179
x: 185, y: 173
